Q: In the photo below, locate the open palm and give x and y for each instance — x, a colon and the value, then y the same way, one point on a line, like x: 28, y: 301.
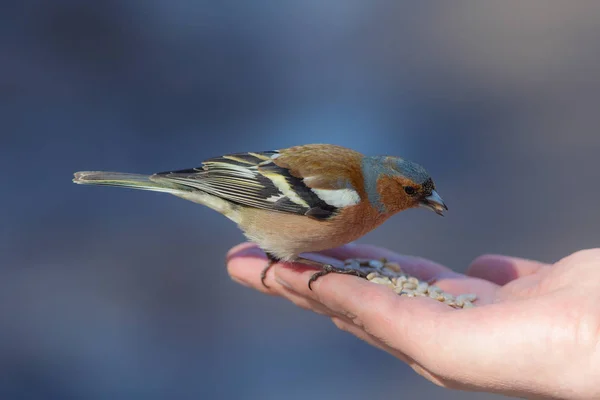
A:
x: 535, y: 331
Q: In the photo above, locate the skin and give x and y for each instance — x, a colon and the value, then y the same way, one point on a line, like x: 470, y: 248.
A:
x: 535, y: 332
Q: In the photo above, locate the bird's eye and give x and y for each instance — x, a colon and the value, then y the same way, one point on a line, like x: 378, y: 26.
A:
x: 410, y: 190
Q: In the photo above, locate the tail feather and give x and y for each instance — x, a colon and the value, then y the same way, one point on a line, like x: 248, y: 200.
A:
x: 158, y: 184
x: 134, y: 181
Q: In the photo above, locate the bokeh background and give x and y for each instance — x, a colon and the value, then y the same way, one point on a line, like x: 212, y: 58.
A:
x: 110, y: 293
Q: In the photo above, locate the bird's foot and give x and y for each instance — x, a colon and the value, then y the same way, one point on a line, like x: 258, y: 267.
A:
x: 263, y: 274
x: 357, y: 267
x: 328, y: 269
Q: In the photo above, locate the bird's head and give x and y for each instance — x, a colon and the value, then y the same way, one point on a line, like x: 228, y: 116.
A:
x: 394, y: 184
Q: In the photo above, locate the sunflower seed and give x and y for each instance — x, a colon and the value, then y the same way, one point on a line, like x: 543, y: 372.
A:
x: 412, y: 279
x: 382, y: 280
x: 394, y: 267
x: 433, y: 289
x: 390, y: 274
x: 372, y: 275
x: 422, y: 287
x: 466, y: 297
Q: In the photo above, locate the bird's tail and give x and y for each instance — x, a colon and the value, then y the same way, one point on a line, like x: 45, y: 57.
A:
x: 134, y: 181
x: 157, y: 183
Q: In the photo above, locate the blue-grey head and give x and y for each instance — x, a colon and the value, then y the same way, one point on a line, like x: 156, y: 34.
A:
x: 394, y: 184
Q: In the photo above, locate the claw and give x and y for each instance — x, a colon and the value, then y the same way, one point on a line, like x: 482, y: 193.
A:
x: 263, y: 273
x: 328, y: 269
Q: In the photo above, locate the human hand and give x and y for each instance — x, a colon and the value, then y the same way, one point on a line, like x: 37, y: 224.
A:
x: 535, y: 332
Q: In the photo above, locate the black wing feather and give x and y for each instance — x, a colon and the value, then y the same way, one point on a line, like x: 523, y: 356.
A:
x: 244, y: 178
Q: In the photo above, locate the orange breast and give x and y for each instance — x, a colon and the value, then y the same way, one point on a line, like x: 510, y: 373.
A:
x: 288, y: 235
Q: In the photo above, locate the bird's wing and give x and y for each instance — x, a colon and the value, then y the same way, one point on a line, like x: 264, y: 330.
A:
x: 254, y: 180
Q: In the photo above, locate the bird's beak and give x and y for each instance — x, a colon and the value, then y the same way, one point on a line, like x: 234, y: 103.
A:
x: 435, y: 203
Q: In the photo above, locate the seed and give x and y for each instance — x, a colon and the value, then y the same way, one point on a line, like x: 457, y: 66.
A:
x: 434, y: 289
x: 390, y: 274
x: 422, y: 287
x: 466, y: 297
x: 448, y: 297
x: 381, y: 280
x: 395, y: 267
x: 372, y: 275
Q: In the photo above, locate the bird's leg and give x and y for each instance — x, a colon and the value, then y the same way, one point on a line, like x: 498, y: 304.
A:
x: 263, y: 275
x: 327, y: 269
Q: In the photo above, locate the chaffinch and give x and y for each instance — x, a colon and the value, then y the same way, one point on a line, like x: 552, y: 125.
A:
x: 296, y: 200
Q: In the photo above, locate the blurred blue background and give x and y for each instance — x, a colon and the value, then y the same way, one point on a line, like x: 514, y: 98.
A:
x: 110, y: 293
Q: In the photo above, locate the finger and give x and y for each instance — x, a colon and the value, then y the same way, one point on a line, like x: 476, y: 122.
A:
x: 348, y: 326
x: 306, y: 303
x: 502, y: 269
x: 402, y: 323
x: 457, y: 284
x: 351, y: 328
x: 245, y: 262
x: 486, y: 341
x: 414, y: 266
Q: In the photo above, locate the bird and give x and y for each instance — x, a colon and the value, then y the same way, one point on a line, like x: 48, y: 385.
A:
x: 296, y: 200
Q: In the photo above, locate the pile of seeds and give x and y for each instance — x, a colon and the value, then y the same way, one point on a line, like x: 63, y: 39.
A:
x: 390, y: 274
